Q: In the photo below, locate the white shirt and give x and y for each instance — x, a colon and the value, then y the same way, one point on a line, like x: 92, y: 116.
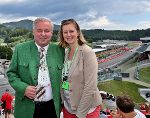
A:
x: 44, y: 79
x: 139, y: 114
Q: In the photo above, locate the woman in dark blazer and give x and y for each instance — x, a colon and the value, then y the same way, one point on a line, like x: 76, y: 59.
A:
x: 79, y: 91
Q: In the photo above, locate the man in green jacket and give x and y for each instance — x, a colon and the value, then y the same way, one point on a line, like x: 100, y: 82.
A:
x: 35, y: 75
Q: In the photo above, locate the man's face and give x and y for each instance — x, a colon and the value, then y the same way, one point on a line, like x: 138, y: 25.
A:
x: 42, y: 33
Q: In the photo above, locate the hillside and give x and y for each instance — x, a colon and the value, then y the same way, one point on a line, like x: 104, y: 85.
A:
x: 144, y: 74
x: 90, y: 35
x: 25, y: 24
x: 122, y: 88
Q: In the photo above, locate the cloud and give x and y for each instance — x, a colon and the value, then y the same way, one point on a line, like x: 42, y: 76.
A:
x: 97, y: 23
x: 143, y: 24
x: 5, y: 2
x: 89, y: 13
x: 101, y: 21
x: 11, y: 18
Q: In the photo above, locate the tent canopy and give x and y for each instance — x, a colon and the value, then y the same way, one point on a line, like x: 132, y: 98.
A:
x: 143, y: 48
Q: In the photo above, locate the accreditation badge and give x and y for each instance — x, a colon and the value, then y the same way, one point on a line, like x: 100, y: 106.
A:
x: 65, y: 85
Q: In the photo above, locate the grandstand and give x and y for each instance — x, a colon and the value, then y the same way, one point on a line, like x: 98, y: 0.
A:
x: 106, y: 51
x: 145, y: 39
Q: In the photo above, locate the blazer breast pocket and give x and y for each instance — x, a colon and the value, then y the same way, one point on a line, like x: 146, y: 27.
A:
x: 55, y: 71
x: 24, y: 65
x: 23, y: 68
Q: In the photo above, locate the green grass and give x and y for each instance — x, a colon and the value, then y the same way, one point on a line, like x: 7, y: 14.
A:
x: 122, y: 88
x: 144, y: 74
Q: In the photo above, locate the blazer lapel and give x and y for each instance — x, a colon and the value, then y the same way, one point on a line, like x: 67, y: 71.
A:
x: 48, y: 56
x: 76, y: 61
x: 34, y: 62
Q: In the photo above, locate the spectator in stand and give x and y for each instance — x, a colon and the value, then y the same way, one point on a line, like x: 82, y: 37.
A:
x: 142, y: 108
x: 147, y: 109
x: 7, y: 97
x: 126, y: 108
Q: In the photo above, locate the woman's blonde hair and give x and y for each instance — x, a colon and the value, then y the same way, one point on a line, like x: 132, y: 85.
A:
x: 62, y: 42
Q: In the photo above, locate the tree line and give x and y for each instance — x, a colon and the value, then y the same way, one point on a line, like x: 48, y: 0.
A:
x: 101, y: 34
x: 13, y: 36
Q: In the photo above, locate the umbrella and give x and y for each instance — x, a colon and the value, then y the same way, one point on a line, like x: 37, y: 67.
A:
x: 145, y: 93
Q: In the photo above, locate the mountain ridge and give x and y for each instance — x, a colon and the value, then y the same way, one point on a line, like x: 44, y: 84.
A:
x: 90, y: 34
x: 26, y: 24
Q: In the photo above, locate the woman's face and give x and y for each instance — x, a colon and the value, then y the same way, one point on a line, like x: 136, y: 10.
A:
x: 70, y: 34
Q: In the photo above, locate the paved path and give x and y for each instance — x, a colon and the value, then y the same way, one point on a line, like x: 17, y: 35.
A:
x: 136, y: 82
x: 132, y: 78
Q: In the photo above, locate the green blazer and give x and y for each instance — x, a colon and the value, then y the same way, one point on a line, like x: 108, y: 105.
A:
x: 23, y: 71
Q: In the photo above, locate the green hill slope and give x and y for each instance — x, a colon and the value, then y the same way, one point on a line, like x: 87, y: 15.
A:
x: 144, y: 74
x: 122, y: 88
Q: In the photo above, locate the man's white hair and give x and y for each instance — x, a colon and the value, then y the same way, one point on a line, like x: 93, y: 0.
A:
x: 42, y: 19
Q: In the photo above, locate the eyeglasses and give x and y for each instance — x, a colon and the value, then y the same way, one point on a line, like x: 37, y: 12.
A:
x: 68, y: 20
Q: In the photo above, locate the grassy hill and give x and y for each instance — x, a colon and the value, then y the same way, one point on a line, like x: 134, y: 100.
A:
x: 144, y: 74
x: 25, y: 24
x: 91, y: 34
x: 122, y: 88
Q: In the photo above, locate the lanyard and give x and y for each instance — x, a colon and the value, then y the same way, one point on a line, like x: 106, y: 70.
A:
x: 74, y: 55
x: 67, y: 65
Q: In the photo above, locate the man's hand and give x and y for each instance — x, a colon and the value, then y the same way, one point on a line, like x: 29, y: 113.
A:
x: 30, y: 92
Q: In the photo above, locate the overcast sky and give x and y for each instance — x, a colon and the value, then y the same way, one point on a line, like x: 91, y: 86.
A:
x: 90, y: 14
